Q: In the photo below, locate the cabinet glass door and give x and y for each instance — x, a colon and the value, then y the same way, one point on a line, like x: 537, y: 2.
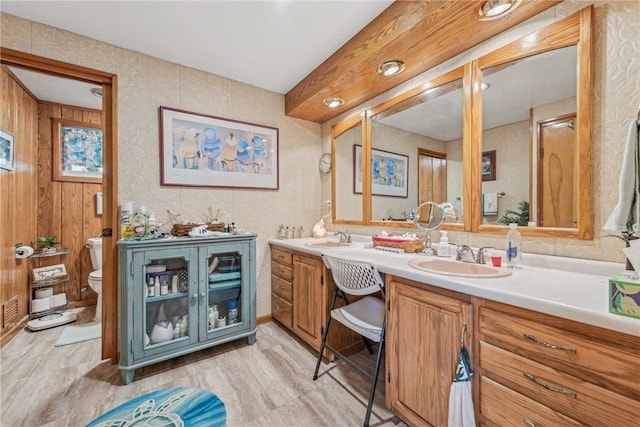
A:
x: 168, y: 289
x: 224, y: 301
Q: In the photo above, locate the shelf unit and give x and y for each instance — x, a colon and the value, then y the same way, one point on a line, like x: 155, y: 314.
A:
x: 35, y: 261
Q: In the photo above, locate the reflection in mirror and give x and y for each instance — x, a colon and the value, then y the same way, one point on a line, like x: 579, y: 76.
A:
x: 429, y: 216
x: 417, y: 148
x: 529, y: 106
x: 347, y: 204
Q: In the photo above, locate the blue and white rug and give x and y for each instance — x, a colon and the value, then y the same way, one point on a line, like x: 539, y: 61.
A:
x: 176, y: 407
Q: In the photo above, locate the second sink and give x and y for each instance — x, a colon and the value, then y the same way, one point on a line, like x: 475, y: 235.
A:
x: 331, y: 244
x: 457, y: 268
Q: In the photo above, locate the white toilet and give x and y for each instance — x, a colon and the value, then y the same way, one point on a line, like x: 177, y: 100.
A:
x: 95, y: 277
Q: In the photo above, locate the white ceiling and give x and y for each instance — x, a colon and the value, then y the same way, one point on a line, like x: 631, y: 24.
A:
x: 268, y: 44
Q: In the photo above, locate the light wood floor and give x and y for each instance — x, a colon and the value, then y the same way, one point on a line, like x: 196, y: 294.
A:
x: 265, y: 384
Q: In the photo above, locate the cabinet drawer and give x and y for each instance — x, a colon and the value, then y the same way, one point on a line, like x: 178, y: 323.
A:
x: 281, y: 256
x: 282, y: 288
x: 282, y: 271
x: 597, y: 363
x: 503, y: 407
x: 559, y: 391
x: 281, y: 310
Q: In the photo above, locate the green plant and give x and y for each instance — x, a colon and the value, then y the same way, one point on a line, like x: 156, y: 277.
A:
x: 47, y: 242
x: 521, y: 217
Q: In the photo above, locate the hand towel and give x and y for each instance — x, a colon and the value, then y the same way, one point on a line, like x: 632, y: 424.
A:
x: 490, y: 203
x: 626, y: 215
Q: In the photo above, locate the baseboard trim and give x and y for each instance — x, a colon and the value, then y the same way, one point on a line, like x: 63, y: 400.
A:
x: 264, y: 319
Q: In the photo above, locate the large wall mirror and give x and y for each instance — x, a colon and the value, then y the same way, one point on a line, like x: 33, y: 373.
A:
x: 347, y: 206
x: 416, y: 150
x: 507, y: 138
x: 535, y: 155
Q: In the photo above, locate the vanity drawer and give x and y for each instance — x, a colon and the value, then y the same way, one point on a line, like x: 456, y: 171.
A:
x: 282, y: 288
x: 559, y: 391
x: 597, y: 363
x: 281, y: 256
x: 281, y: 310
x: 281, y: 271
x: 503, y: 407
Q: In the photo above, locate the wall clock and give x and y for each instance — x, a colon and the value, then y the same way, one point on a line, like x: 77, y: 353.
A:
x: 325, y: 163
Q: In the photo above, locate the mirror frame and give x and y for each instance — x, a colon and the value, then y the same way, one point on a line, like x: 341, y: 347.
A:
x: 338, y: 129
x: 388, y: 106
x: 574, y: 30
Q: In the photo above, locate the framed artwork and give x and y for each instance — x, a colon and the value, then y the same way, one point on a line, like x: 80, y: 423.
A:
x: 197, y: 150
x: 389, y: 173
x: 50, y: 272
x: 489, y: 165
x: 7, y: 150
x: 77, y: 151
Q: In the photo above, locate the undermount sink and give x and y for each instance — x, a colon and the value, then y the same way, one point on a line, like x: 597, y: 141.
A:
x: 457, y: 268
x: 331, y: 244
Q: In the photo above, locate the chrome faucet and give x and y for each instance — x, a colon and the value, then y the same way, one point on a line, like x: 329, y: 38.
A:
x: 345, y: 236
x: 465, y: 253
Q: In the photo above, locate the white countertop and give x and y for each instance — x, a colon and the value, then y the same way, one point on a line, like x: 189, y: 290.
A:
x: 565, y: 287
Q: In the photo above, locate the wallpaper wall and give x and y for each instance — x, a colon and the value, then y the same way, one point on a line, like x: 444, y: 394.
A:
x: 616, y: 90
x: 145, y: 84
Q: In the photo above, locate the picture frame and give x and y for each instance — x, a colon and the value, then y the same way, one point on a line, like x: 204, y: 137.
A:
x: 7, y: 150
x: 77, y: 151
x: 49, y: 272
x: 198, y: 150
x: 389, y: 173
x: 489, y: 165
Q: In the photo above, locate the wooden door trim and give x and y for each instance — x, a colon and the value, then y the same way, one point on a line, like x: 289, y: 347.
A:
x: 108, y: 81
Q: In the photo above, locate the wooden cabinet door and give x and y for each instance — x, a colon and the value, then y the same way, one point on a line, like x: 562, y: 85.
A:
x: 308, y: 299
x: 423, y: 346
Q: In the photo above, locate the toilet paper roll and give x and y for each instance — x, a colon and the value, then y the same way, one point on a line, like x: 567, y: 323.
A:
x: 24, y: 251
x: 40, y: 304
x: 58, y: 300
x: 44, y: 292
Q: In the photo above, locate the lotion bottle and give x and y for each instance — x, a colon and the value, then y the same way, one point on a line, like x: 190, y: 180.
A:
x: 443, y: 247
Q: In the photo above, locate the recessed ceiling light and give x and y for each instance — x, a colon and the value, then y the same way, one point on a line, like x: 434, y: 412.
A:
x: 96, y: 91
x: 493, y: 9
x: 333, y: 102
x: 390, y: 68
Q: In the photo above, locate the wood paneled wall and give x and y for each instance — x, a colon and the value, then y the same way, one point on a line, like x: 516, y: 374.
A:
x: 67, y: 210
x: 18, y: 196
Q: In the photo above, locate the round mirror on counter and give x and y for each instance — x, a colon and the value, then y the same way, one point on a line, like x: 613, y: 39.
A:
x: 429, y: 216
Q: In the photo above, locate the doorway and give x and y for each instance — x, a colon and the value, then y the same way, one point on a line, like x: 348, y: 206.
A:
x: 557, y: 172
x: 432, y: 176
x: 108, y: 222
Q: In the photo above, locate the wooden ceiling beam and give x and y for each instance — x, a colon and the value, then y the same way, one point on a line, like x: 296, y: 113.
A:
x: 423, y: 34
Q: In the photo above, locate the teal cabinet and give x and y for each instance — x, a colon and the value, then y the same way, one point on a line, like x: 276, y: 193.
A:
x: 182, y: 295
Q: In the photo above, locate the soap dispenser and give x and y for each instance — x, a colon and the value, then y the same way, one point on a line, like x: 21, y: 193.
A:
x: 443, y: 247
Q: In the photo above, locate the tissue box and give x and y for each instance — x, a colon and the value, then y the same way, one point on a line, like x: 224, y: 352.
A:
x: 391, y: 241
x: 624, y: 296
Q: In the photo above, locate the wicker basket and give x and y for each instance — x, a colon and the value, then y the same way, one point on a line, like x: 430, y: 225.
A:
x: 407, y: 245
x: 183, y: 229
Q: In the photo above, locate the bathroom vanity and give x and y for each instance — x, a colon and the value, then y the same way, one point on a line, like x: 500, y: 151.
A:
x: 544, y: 348
x: 184, y: 294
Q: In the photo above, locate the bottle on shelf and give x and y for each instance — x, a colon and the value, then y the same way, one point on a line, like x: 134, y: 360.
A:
x: 156, y: 285
x: 233, y: 311
x: 139, y: 223
x: 514, y: 247
x: 443, y: 247
x: 151, y: 290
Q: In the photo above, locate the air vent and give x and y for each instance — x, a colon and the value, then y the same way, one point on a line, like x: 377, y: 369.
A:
x: 10, y: 313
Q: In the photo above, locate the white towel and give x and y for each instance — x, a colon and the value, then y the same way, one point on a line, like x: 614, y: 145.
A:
x: 490, y: 203
x: 627, y: 212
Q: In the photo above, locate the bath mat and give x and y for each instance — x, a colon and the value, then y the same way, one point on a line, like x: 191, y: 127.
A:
x: 75, y: 334
x: 176, y: 407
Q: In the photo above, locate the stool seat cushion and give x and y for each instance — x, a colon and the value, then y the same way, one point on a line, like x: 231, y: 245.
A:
x: 181, y: 406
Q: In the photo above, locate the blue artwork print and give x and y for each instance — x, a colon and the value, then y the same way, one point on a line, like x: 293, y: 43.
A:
x: 81, y: 149
x: 387, y: 171
x: 216, y: 148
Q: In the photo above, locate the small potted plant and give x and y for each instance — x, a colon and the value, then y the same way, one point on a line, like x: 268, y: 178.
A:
x: 46, y: 243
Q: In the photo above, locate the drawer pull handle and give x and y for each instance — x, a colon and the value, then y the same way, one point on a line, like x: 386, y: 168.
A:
x: 548, y: 345
x: 529, y: 423
x: 542, y: 384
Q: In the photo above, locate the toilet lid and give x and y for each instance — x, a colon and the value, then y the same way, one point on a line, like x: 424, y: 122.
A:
x: 96, y: 274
